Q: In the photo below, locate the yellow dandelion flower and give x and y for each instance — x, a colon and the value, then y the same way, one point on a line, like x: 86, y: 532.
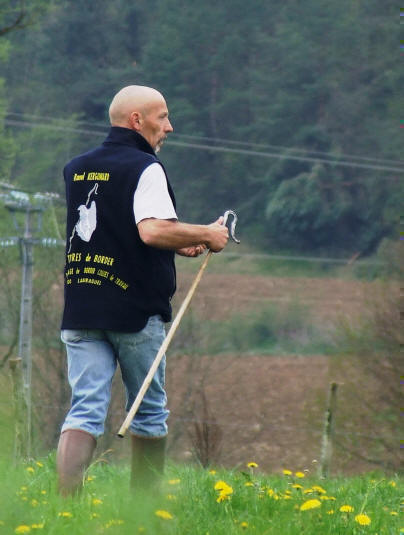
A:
x: 287, y: 472
x: 94, y: 515
x: 244, y: 525
x: 392, y: 483
x: 213, y: 472
x: 43, y: 492
x: 222, y: 497
x: 38, y: 526
x: 34, y: 503
x: 23, y: 489
x: 174, y: 481
x: 163, y: 514
x: 270, y: 492
x: 330, y: 512
x: 22, y: 529
x: 96, y: 501
x: 252, y: 465
x: 308, y: 491
x: 65, y: 514
x: 296, y: 486
x: 299, y: 474
x: 223, y: 487
x: 394, y: 513
x: 90, y: 478
x: 310, y: 504
x: 38, y: 463
x: 346, y: 508
x: 30, y: 470
x: 248, y: 484
x: 287, y: 497
x: 362, y: 519
x: 319, y: 489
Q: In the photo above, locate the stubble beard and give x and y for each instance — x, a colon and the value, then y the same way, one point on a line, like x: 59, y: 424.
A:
x: 159, y: 144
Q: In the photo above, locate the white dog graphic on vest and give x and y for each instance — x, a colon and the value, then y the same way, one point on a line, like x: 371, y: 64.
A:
x: 87, y: 222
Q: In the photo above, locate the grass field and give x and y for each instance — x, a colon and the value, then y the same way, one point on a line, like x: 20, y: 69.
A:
x: 194, y: 501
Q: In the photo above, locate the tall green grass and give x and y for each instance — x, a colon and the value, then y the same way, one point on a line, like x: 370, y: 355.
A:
x: 282, y: 329
x: 194, y: 501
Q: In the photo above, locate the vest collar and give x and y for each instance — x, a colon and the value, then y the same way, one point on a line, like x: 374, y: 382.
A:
x: 125, y: 136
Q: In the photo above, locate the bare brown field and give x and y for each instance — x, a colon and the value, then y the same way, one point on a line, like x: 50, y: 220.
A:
x: 269, y: 409
x: 220, y: 295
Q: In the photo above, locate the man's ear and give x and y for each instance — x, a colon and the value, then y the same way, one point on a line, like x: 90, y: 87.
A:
x: 136, y: 120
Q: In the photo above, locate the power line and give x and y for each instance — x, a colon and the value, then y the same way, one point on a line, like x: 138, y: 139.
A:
x: 199, y: 146
x: 93, y: 124
x: 283, y: 156
x: 291, y: 149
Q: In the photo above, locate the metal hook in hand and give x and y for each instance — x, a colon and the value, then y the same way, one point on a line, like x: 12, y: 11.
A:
x: 233, y: 224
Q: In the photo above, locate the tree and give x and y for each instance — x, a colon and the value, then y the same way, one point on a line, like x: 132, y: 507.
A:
x: 17, y: 14
x: 271, y: 77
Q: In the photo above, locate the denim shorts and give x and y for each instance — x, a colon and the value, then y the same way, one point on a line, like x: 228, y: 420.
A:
x: 92, y: 358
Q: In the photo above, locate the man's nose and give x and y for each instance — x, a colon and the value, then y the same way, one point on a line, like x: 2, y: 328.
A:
x: 169, y: 127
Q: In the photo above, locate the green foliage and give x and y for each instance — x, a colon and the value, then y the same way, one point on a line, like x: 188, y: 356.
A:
x: 320, y: 77
x: 188, y: 503
x: 18, y: 14
x: 389, y: 262
x: 372, y: 344
x: 282, y: 329
x: 55, y: 148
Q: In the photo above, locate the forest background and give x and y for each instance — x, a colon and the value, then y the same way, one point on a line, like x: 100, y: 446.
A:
x: 287, y: 112
x: 299, y: 102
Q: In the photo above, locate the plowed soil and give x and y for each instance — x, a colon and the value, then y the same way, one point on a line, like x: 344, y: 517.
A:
x: 267, y: 409
x: 220, y: 295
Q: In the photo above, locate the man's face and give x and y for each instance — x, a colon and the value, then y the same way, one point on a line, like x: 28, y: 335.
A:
x: 155, y: 124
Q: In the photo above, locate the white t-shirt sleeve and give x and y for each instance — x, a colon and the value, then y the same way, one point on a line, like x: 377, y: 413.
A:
x: 151, y: 198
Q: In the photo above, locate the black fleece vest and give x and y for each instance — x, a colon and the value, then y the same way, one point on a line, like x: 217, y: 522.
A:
x: 112, y: 279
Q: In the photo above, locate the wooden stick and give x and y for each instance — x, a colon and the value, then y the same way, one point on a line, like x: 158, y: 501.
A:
x: 149, y: 377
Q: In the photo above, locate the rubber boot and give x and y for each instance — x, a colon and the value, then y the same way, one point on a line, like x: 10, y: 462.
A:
x: 148, y: 455
x: 75, y: 450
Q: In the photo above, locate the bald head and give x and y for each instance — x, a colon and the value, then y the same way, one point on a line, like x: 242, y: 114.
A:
x: 144, y: 110
x: 133, y: 98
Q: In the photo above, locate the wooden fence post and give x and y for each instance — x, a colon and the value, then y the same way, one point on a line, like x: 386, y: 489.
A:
x: 328, y: 432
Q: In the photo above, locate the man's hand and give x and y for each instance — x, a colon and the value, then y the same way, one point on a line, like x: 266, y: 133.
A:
x: 219, y: 236
x: 192, y: 252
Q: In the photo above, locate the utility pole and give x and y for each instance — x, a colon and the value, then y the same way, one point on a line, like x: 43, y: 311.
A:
x: 32, y: 209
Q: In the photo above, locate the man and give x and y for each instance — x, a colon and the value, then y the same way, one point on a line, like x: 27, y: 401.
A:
x: 122, y: 235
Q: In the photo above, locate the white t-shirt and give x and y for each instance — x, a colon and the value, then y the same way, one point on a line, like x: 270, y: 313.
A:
x: 151, y: 198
